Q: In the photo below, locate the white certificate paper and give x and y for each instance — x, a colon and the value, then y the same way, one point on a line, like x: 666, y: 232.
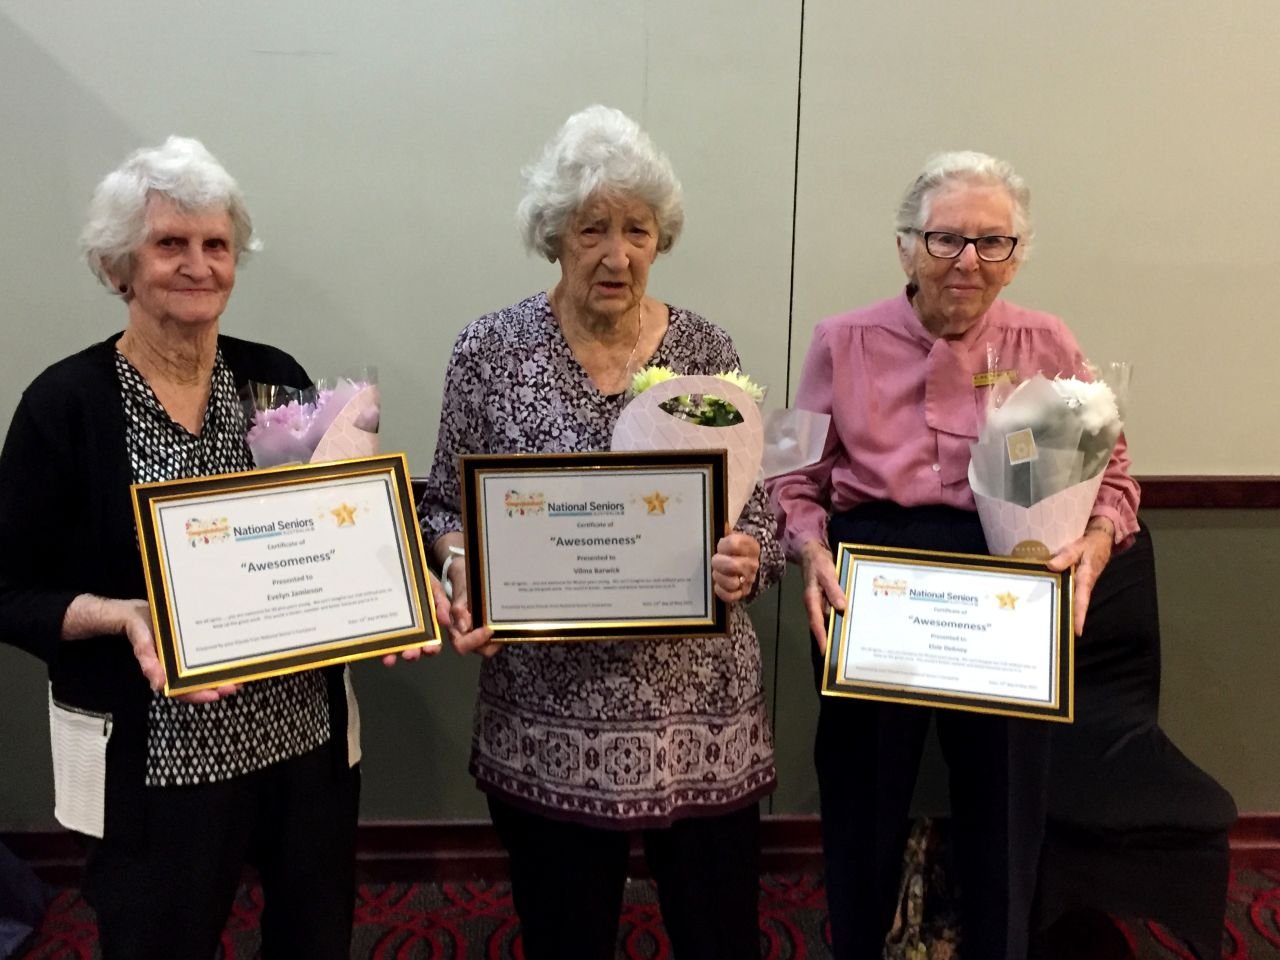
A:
x: 256, y: 574
x: 964, y: 632
x: 595, y: 551
x: 283, y: 569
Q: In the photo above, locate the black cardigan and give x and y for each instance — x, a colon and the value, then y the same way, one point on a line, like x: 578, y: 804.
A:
x: 66, y: 528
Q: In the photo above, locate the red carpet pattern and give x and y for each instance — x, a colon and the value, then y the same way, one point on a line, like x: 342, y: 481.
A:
x: 1252, y: 929
x: 475, y: 921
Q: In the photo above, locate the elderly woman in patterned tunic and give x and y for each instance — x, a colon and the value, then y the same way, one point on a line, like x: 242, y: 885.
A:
x: 177, y: 793
x: 578, y: 744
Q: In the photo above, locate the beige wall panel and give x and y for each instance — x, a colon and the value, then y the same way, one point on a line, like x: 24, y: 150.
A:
x: 1218, y: 614
x: 1147, y: 135
x: 380, y: 145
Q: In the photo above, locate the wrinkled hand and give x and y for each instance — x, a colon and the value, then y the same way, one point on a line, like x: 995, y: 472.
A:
x: 821, y: 589
x: 135, y: 624
x: 1089, y: 555
x: 442, y: 617
x: 464, y: 638
x: 734, y: 566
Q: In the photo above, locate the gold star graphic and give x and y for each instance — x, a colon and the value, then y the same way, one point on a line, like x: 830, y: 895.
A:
x: 656, y: 502
x: 346, y: 515
x: 1007, y: 601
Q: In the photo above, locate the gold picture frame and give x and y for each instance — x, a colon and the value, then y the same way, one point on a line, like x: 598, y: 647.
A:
x: 267, y: 572
x: 931, y: 628
x: 583, y: 546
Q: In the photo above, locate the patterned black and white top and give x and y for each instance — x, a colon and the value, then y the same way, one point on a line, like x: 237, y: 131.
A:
x: 626, y: 733
x: 268, y: 720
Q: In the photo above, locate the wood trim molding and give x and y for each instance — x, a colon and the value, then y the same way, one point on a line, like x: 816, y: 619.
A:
x: 1180, y: 492
x: 440, y: 851
x: 1210, y: 493
x: 1255, y: 841
x: 56, y: 856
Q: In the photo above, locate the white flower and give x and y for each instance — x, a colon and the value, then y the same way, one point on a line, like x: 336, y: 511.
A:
x: 1094, y: 403
x: 650, y: 377
x: 743, y: 383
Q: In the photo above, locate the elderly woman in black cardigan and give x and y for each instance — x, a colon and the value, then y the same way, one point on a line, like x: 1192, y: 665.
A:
x: 176, y: 794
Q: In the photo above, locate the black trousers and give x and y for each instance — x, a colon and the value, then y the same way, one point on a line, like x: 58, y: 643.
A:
x: 868, y: 754
x: 295, y: 821
x: 567, y: 882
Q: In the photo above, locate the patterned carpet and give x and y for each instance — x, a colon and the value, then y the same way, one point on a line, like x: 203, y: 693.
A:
x: 475, y: 921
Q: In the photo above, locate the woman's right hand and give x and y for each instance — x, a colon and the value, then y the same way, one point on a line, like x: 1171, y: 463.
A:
x: 821, y: 589
x: 136, y: 626
x: 463, y: 637
x: 90, y: 616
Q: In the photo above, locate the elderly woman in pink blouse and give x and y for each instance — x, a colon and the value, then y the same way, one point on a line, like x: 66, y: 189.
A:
x: 899, y: 379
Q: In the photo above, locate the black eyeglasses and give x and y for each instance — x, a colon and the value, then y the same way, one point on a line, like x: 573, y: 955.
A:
x: 949, y: 246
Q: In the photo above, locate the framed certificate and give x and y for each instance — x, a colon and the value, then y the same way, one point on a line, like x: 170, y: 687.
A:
x: 256, y: 574
x: 952, y: 630
x: 592, y: 546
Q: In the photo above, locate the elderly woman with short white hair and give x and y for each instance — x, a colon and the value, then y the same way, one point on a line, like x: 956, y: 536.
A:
x: 174, y: 794
x: 902, y: 382
x: 578, y: 744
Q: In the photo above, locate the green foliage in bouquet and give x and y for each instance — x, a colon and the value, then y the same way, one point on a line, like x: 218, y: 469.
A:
x: 703, y: 409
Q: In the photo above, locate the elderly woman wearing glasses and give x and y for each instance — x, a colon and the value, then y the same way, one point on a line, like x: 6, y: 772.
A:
x: 900, y: 379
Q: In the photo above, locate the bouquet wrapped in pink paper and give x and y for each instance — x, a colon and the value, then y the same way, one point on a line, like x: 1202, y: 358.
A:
x: 1037, y: 466
x: 333, y: 419
x: 672, y: 412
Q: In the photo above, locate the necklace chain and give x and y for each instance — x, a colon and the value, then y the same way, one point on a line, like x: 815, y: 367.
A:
x: 626, y: 369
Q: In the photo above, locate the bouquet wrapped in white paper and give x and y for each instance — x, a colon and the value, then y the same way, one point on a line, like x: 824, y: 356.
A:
x: 1037, y: 466
x: 333, y: 419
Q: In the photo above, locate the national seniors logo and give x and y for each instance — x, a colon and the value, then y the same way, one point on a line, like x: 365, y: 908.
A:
x: 519, y: 504
x: 201, y: 532
x: 271, y: 529
x: 523, y: 504
x: 884, y: 587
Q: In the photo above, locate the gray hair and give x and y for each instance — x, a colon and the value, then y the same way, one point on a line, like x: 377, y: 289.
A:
x: 182, y: 170
x: 598, y: 151
x: 965, y: 166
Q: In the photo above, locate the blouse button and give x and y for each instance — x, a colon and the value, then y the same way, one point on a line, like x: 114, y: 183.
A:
x: 937, y: 467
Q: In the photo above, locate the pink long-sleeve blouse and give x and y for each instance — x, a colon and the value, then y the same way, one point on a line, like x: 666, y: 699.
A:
x: 905, y: 405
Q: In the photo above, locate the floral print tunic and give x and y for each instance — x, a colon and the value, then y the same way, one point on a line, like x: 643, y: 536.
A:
x: 612, y: 733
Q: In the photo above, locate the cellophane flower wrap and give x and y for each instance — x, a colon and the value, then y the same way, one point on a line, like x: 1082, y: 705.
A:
x: 672, y: 412
x: 333, y: 419
x: 1041, y: 454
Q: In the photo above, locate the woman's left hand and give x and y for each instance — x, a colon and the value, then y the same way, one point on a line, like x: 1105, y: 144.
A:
x: 1089, y: 555
x: 442, y: 617
x: 734, y: 566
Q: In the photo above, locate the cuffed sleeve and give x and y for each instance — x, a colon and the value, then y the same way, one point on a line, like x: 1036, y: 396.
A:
x: 757, y: 522
x: 1119, y: 495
